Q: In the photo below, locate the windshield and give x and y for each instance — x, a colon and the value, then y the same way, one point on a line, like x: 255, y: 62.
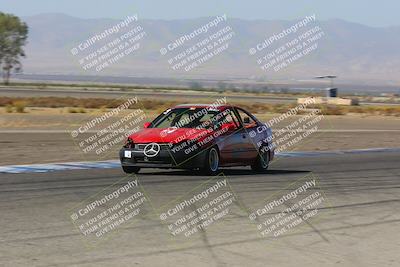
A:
x: 187, y: 118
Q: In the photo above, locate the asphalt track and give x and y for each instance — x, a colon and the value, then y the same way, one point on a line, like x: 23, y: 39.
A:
x: 360, y: 226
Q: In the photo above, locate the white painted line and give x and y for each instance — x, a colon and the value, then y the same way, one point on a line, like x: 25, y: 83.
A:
x: 111, y: 164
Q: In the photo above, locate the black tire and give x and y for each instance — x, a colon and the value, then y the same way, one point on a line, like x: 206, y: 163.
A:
x: 262, y: 162
x: 211, y: 162
x: 130, y: 169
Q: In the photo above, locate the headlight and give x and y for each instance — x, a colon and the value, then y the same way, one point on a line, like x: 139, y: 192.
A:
x: 129, y: 143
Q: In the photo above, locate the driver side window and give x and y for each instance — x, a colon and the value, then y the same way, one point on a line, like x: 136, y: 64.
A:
x: 246, y: 119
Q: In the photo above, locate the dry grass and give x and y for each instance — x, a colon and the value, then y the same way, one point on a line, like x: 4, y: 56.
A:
x: 9, y: 108
x: 20, y: 106
x: 98, y: 103
x: 372, y: 110
x: 76, y: 110
x: 17, y: 106
x: 77, y: 105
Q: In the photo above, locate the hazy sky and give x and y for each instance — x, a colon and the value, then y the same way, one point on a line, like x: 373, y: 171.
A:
x: 369, y: 12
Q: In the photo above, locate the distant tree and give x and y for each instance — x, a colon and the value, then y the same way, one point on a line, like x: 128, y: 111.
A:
x: 221, y: 85
x: 265, y: 88
x: 195, y: 85
x: 13, y: 36
x: 285, y: 90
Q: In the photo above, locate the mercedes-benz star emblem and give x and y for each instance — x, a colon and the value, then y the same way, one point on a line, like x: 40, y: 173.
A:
x: 151, y: 150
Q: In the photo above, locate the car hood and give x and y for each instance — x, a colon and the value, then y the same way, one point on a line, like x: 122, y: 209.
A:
x: 168, y: 135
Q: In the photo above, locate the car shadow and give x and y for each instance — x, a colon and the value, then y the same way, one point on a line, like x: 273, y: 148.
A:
x: 230, y: 172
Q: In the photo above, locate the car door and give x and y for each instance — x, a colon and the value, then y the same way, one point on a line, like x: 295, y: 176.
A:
x: 235, y: 145
x: 248, y: 124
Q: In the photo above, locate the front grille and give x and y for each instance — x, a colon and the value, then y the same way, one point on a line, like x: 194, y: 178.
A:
x: 163, y: 147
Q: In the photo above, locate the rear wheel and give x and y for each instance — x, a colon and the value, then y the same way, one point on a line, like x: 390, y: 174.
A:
x: 130, y: 169
x: 262, y: 163
x: 211, y: 163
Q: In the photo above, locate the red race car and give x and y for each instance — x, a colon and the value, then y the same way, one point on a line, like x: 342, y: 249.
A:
x: 200, y: 136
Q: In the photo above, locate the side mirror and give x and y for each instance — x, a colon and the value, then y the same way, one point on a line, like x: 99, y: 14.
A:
x: 146, y: 124
x: 246, y: 120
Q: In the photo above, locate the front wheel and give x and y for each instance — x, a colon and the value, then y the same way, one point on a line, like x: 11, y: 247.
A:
x: 130, y: 169
x: 211, y: 163
x: 262, y: 163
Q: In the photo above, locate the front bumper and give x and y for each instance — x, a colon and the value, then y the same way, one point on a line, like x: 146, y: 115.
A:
x: 164, y: 159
